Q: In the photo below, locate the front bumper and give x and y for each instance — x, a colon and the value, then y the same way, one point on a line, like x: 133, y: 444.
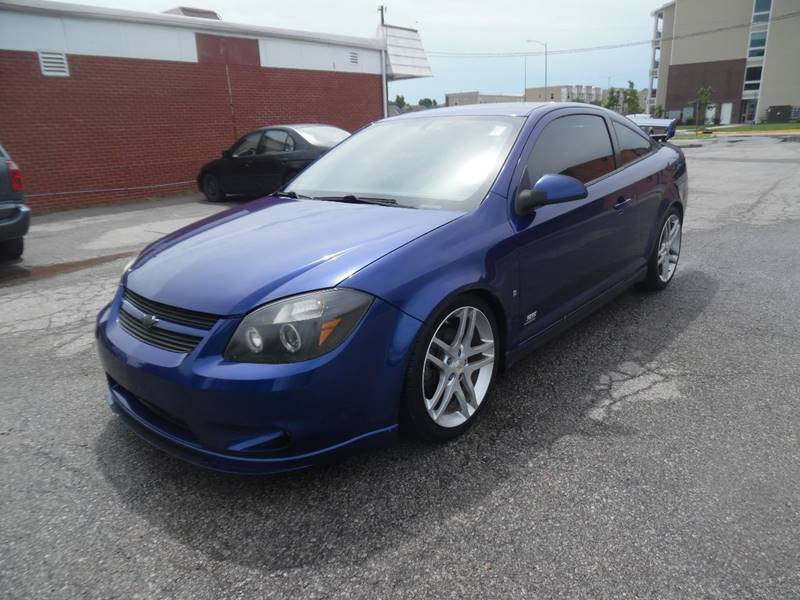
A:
x: 254, y: 418
x: 15, y: 220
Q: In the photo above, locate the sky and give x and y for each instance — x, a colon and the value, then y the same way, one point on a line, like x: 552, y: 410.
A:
x: 469, y: 26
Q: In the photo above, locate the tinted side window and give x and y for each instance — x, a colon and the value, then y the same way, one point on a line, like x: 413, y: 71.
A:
x: 248, y: 145
x: 631, y: 144
x: 274, y: 140
x: 576, y: 145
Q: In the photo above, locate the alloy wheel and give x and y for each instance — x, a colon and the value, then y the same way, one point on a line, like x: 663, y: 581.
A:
x: 458, y: 366
x: 669, y: 248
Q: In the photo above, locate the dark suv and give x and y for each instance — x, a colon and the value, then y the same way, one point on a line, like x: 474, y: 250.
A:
x: 15, y: 216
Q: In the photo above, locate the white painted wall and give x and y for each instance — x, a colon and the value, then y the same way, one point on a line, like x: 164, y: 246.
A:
x: 19, y: 31
x: 293, y: 54
x: 120, y: 39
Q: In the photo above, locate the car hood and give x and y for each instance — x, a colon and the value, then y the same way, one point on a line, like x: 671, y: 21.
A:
x: 270, y: 248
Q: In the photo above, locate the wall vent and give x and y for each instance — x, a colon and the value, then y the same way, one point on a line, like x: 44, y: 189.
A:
x: 354, y: 58
x: 53, y: 64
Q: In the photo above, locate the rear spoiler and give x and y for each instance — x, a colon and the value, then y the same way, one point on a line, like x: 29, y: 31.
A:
x: 659, y: 129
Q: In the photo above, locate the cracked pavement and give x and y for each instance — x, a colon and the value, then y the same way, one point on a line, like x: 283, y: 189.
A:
x: 652, y: 451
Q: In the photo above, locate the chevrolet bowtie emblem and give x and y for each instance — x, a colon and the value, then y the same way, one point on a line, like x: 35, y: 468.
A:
x: 149, y: 321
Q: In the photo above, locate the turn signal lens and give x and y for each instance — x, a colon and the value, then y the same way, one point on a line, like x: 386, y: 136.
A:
x: 327, y: 330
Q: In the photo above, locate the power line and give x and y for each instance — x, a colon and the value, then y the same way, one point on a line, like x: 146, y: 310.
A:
x: 603, y: 47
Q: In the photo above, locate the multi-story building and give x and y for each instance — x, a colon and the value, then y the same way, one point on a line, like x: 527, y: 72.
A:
x: 462, y: 98
x: 747, y: 51
x: 566, y: 93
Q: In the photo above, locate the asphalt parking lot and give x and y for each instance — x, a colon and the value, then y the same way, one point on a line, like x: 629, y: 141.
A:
x: 652, y: 451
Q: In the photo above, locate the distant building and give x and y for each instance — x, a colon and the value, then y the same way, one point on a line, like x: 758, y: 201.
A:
x: 462, y: 98
x: 746, y: 50
x: 566, y: 93
x: 643, y: 95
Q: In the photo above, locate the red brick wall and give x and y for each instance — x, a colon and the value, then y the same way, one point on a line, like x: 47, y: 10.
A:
x: 119, y: 123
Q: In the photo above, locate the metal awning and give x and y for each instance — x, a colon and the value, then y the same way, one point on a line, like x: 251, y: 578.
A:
x: 405, y: 56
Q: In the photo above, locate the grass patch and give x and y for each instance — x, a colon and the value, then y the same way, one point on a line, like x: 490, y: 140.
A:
x: 760, y: 127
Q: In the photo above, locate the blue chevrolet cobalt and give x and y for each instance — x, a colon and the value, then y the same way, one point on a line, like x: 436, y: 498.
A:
x: 387, y: 286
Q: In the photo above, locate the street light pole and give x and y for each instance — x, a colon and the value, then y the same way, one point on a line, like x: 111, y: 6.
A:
x: 545, y: 65
x: 525, y: 79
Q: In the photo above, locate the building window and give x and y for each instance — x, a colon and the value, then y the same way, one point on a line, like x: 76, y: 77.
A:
x: 758, y: 42
x: 752, y: 74
x: 53, y: 64
x: 762, y: 6
x: 752, y: 86
x: 354, y: 58
x: 761, y: 10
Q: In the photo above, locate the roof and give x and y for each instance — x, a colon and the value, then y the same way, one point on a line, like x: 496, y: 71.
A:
x: 662, y: 7
x: 294, y: 126
x: 499, y: 109
x: 188, y: 11
x: 82, y: 11
x: 505, y: 109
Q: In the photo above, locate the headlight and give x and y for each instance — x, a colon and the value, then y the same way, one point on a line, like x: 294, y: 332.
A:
x: 298, y: 328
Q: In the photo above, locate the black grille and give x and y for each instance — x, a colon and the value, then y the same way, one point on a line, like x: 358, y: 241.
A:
x: 156, y: 336
x: 190, y: 318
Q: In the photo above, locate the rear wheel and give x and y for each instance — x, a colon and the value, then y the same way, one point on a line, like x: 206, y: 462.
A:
x: 452, y: 370
x: 11, y: 249
x: 212, y: 188
x: 664, y: 260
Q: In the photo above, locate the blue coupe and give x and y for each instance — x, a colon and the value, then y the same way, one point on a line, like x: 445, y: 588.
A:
x: 387, y: 286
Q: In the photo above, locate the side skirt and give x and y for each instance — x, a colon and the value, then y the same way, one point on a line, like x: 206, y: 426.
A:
x: 570, y: 319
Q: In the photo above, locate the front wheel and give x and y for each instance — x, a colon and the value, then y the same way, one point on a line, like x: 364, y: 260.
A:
x: 663, y: 261
x: 452, y: 370
x: 212, y: 188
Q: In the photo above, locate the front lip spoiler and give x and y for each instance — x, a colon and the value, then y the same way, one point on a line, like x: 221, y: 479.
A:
x: 229, y: 463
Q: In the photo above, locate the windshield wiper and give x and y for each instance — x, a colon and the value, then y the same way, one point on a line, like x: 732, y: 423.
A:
x: 353, y: 199
x: 293, y: 195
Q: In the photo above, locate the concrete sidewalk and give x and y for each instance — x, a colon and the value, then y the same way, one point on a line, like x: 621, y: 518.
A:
x: 71, y: 240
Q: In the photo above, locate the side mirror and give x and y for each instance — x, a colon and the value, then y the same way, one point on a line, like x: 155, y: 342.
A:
x: 226, y: 154
x: 550, y: 189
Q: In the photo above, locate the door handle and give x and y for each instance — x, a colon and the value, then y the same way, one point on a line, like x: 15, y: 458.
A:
x: 622, y: 203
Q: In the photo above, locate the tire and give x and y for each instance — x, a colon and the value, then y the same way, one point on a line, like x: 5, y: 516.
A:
x: 11, y: 249
x: 667, y: 248
x: 438, y: 380
x: 212, y: 188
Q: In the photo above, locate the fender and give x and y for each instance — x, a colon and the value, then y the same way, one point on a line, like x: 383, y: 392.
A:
x: 473, y: 252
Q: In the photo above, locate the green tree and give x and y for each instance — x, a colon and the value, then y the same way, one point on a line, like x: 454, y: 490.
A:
x: 612, y: 101
x: 704, y: 97
x: 399, y: 101
x: 630, y: 100
x: 658, y: 111
x: 427, y: 102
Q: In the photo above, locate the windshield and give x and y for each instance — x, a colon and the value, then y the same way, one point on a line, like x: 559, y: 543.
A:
x: 446, y: 163
x: 322, y: 135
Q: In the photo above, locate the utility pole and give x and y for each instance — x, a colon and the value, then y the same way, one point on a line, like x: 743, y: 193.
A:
x: 384, y: 82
